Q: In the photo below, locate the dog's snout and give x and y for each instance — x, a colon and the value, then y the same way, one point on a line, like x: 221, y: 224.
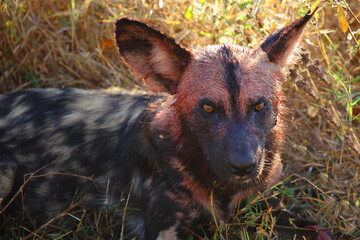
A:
x: 242, y: 164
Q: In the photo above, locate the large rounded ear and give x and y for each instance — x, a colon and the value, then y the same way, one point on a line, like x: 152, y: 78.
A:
x: 280, y: 46
x: 151, y: 55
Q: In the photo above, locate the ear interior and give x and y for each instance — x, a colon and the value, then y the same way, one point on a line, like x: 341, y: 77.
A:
x: 151, y: 55
x: 281, y: 45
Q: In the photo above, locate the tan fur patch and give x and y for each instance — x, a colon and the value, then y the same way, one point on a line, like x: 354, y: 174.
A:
x: 7, y: 176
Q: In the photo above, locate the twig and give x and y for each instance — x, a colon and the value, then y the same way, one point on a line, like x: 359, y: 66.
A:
x: 36, y: 235
x: 286, y: 227
x: 51, y: 221
x: 352, y: 13
x: 126, y: 205
x: 196, y: 235
x: 25, y: 182
x: 71, y: 175
x: 65, y: 174
x: 267, y: 212
x: 213, y: 211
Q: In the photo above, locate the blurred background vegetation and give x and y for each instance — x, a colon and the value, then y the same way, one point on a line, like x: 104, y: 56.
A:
x: 48, y: 43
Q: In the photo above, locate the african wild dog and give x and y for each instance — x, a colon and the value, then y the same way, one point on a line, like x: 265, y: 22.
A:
x: 213, y: 136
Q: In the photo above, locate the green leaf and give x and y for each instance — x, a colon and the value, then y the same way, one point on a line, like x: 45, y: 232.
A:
x: 229, y: 32
x: 314, y: 6
x: 205, y: 34
x: 244, y: 4
x: 291, y: 221
x: 357, y: 78
x: 240, y: 17
x: 337, y: 93
x: 30, y: 76
x: 289, y: 191
x: 355, y: 102
x: 338, y: 99
x: 189, y: 14
x: 355, y: 93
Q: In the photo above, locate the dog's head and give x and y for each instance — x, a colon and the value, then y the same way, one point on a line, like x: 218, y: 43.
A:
x: 225, y: 101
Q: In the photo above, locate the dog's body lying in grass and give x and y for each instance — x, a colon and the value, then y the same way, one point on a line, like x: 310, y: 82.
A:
x: 182, y: 156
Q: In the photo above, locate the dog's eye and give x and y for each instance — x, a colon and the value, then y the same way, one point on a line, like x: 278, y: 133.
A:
x: 259, y: 106
x: 208, y: 108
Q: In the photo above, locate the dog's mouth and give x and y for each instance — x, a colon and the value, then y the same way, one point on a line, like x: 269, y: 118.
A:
x: 246, y: 166
x: 244, y: 178
x: 249, y: 174
x: 235, y: 177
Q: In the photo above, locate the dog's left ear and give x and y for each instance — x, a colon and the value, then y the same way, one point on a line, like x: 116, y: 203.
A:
x: 280, y: 46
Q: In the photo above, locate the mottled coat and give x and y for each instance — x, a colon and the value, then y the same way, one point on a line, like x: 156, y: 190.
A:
x: 212, y: 136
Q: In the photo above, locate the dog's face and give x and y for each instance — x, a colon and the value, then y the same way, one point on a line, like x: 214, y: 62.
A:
x: 225, y: 100
x: 228, y: 99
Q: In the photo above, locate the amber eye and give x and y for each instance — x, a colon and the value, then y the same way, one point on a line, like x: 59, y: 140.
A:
x: 259, y: 106
x: 207, y: 108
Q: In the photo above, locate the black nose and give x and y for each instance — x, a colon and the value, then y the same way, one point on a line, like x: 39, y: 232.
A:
x: 243, y: 170
x: 242, y: 165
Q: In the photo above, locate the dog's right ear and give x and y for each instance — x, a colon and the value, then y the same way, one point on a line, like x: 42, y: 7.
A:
x: 280, y: 46
x: 151, y: 55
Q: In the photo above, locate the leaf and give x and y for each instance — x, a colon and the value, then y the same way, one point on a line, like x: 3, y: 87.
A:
x: 355, y: 101
x: 106, y: 44
x: 342, y: 21
x: 314, y: 6
x: 189, y: 12
x: 240, y: 17
x: 337, y: 99
x: 312, y: 111
x: 205, y: 34
x: 244, y: 4
x: 341, y: 228
x: 264, y: 232
x: 289, y: 191
x: 291, y: 221
x: 343, y: 24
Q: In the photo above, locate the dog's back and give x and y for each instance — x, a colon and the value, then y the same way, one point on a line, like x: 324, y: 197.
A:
x: 60, y: 132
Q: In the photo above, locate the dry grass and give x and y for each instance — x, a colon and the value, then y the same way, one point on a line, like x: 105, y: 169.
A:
x: 70, y: 44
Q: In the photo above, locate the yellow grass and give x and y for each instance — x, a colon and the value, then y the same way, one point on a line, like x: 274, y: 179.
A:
x: 70, y: 44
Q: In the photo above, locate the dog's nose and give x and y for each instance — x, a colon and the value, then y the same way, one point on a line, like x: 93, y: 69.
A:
x: 242, y: 164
